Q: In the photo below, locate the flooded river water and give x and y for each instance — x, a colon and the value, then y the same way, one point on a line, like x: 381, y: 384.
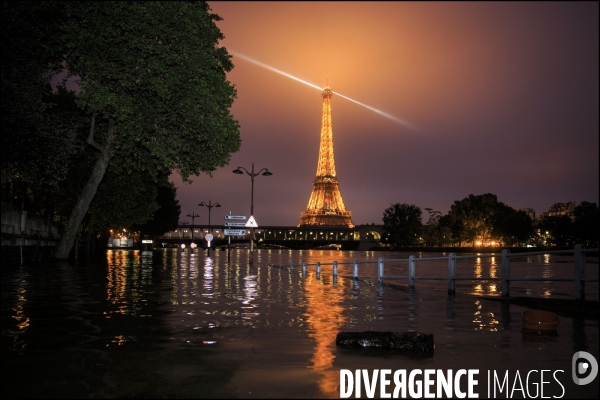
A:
x: 187, y: 324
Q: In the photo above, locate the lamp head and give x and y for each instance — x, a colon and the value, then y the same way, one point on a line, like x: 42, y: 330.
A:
x: 237, y: 171
x: 267, y: 173
x: 217, y: 205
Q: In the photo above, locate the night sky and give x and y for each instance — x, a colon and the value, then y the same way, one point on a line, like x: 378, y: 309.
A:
x: 497, y: 98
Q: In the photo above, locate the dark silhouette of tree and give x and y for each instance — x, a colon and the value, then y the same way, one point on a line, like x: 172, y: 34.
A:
x: 433, y: 233
x: 512, y: 227
x: 586, y: 228
x: 402, y: 224
x: 473, y: 218
x: 166, y: 217
x: 152, y: 79
x: 559, y: 228
x: 39, y: 129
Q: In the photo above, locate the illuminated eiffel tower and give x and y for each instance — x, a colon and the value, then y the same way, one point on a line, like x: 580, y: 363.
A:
x: 325, y: 206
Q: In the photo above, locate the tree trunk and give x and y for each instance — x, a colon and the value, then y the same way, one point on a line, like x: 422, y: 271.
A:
x: 87, y: 195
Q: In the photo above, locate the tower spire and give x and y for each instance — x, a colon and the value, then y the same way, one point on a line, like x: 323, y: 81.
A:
x: 325, y: 206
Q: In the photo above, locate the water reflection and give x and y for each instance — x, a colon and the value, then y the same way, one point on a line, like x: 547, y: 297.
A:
x: 124, y: 282
x: 250, y: 293
x: 484, y: 319
x: 21, y: 320
x: 208, y: 278
x: 270, y: 317
x: 478, y: 270
x: 324, y: 315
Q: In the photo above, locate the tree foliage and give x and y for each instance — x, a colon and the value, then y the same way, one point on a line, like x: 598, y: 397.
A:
x: 156, y: 70
x: 512, y: 227
x: 402, y: 224
x: 474, y: 218
x: 39, y: 130
x: 152, y: 78
x: 434, y: 233
x: 587, y: 224
x: 153, y: 98
x: 559, y: 228
x: 166, y: 217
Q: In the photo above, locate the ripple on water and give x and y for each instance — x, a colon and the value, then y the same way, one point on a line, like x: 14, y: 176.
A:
x: 175, y: 324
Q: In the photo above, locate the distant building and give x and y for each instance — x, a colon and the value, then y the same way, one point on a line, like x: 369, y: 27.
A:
x: 528, y: 211
x: 559, y: 209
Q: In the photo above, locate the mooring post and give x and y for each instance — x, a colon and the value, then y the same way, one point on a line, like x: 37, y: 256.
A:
x: 451, y: 273
x: 291, y: 266
x: 303, y: 269
x: 355, y: 270
x: 411, y: 271
x: 318, y: 270
x: 380, y: 269
x: 505, y: 272
x: 335, y: 273
x: 579, y: 272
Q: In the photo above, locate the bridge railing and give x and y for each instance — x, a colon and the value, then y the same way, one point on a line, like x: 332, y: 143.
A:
x: 578, y: 279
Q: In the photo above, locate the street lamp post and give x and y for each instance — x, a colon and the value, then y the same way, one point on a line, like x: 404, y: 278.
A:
x: 193, y: 217
x: 209, y: 206
x: 252, y: 175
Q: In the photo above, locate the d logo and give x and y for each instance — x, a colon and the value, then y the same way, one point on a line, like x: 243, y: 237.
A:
x: 590, y: 364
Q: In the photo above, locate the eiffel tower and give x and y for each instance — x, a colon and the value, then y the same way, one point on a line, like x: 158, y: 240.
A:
x: 325, y: 206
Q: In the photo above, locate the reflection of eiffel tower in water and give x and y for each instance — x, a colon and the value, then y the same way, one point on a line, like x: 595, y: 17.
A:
x: 326, y: 207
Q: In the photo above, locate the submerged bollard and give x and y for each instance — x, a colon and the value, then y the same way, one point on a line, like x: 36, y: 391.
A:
x: 411, y: 271
x: 291, y: 266
x: 505, y: 272
x: 303, y: 269
x: 451, y: 272
x: 355, y: 270
x: 335, y: 273
x: 380, y: 269
x: 318, y: 270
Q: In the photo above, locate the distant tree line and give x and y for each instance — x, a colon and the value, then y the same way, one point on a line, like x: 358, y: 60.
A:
x: 482, y: 220
x: 153, y: 98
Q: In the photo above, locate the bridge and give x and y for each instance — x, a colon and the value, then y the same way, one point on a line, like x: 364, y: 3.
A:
x: 361, y: 237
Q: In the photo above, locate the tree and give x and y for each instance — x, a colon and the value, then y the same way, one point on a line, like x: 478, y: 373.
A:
x: 152, y: 76
x: 39, y: 130
x: 473, y: 218
x: 559, y: 228
x: 512, y: 227
x: 402, y: 224
x: 450, y: 230
x: 166, y: 217
x: 431, y: 232
x: 586, y: 226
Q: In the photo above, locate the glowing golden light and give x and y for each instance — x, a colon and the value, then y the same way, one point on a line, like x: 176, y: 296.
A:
x: 324, y: 315
x: 325, y: 206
